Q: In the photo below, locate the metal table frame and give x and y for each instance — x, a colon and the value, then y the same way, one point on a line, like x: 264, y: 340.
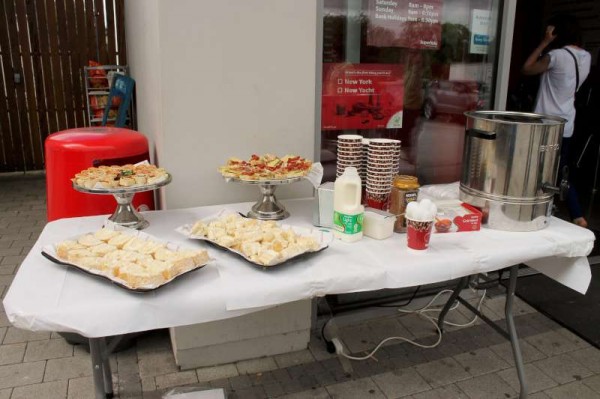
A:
x: 511, y: 334
x: 100, y: 352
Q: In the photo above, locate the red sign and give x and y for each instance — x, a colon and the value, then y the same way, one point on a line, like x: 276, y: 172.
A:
x: 362, y: 96
x: 411, y: 24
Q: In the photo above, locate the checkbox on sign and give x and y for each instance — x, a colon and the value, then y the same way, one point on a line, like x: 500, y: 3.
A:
x: 340, y: 81
x: 339, y: 90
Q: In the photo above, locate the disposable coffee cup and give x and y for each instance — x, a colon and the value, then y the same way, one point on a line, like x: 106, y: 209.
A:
x: 350, y: 138
x: 377, y: 200
x: 418, y: 233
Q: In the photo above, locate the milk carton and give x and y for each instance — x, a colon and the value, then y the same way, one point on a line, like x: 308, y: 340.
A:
x: 348, y: 213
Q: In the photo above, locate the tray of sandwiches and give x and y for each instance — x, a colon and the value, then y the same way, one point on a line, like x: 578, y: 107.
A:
x: 266, y: 169
x: 128, y: 258
x: 262, y: 243
x: 121, y: 179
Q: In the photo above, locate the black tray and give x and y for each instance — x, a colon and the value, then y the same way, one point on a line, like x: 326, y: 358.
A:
x: 282, y: 263
x: 116, y: 282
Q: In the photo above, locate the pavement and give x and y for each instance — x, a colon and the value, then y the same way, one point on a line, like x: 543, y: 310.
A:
x: 471, y: 362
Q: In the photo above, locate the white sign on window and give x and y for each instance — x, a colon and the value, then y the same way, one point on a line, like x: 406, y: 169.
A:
x: 480, y: 31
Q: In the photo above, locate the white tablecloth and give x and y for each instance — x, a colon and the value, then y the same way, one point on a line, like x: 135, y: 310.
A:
x: 51, y: 297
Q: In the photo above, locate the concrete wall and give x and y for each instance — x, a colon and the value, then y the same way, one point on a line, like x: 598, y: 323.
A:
x: 223, y: 78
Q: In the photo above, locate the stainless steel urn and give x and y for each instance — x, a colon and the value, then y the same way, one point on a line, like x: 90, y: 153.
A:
x: 510, y: 166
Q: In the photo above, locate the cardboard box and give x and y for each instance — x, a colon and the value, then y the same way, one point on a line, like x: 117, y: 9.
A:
x: 323, y: 206
x: 456, y: 216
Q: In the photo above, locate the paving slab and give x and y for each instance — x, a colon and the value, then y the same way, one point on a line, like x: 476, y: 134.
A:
x: 217, y: 372
x: 536, y: 379
x: 589, y: 357
x: 357, y: 389
x: 176, y: 379
x: 319, y: 393
x: 481, y: 361
x: 46, y: 390
x: 129, y: 385
x: 48, y: 349
x: 15, y: 375
x: 68, y: 368
x: 294, y: 358
x: 442, y: 372
x: 81, y: 388
x: 553, y: 343
x: 528, y: 351
x: 489, y: 386
x: 445, y: 392
x: 11, y: 354
x: 563, y: 368
x: 156, y: 363
x: 572, y: 390
x: 16, y: 335
x: 399, y: 383
x: 594, y: 383
x: 254, y: 366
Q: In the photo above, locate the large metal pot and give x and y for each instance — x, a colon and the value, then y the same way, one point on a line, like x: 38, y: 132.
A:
x: 510, y: 166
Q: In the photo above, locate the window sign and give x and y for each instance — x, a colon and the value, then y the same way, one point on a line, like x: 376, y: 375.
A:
x: 362, y: 96
x: 410, y: 24
x: 480, y: 27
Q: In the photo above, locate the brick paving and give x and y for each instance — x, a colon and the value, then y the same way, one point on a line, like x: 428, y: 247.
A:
x: 472, y: 362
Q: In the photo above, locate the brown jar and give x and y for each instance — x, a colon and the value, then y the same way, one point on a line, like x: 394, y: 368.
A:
x: 405, y: 189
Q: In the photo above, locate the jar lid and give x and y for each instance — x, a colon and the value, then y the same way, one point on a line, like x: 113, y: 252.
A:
x: 406, y: 182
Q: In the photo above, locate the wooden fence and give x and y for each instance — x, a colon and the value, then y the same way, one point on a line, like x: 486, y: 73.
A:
x: 44, y: 45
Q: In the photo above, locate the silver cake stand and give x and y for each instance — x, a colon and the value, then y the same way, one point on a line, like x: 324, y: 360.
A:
x: 125, y: 214
x: 267, y: 207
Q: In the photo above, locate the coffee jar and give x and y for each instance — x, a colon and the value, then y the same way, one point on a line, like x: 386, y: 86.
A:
x: 405, y: 189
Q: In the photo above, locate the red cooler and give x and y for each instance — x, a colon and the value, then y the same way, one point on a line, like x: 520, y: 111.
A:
x: 70, y: 151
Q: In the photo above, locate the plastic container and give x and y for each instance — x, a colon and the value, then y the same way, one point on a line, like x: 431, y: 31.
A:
x: 378, y: 224
x: 348, y: 213
x: 70, y: 151
x: 405, y: 189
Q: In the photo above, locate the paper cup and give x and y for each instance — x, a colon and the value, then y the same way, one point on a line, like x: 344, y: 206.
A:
x: 350, y: 137
x: 418, y: 233
x: 377, y: 200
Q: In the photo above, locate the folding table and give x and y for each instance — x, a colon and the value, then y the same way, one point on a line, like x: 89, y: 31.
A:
x: 49, y: 297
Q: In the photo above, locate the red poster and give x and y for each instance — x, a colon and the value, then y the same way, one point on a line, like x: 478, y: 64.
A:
x: 413, y: 24
x: 362, y: 96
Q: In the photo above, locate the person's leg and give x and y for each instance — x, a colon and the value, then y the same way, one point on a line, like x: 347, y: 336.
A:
x: 575, y: 211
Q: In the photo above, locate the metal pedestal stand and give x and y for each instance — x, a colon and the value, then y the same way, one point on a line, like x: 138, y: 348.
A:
x: 267, y: 207
x: 125, y: 214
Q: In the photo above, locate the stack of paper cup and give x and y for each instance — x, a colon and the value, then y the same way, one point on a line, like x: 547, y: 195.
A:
x: 380, y: 171
x: 365, y: 153
x: 349, y: 153
x: 396, y: 156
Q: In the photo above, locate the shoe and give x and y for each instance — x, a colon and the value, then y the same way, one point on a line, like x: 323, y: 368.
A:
x: 581, y: 222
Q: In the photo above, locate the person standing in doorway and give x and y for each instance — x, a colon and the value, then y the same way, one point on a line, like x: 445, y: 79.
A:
x: 563, y: 70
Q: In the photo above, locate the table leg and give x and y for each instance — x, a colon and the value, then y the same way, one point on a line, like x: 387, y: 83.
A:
x: 462, y: 284
x: 511, y: 334
x: 101, y: 369
x: 514, y: 339
x: 108, y: 383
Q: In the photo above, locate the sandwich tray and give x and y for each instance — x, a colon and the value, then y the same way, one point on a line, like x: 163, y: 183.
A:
x: 323, y: 238
x: 49, y: 252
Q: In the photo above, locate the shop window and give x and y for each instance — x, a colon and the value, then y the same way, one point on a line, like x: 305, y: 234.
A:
x: 407, y: 70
